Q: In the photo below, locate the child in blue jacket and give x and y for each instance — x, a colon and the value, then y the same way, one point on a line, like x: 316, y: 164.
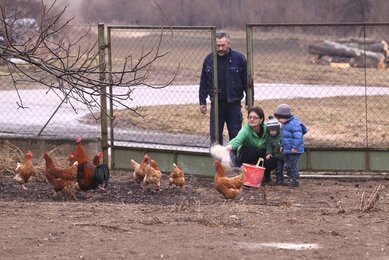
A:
x: 292, y: 139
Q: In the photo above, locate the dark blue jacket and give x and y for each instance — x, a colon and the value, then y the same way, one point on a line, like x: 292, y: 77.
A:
x: 235, y: 76
x: 292, y: 133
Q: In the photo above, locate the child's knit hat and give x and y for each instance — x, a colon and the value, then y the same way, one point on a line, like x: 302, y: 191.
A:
x: 273, y: 124
x: 283, y: 111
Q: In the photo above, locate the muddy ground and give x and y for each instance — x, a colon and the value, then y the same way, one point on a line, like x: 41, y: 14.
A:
x: 319, y: 220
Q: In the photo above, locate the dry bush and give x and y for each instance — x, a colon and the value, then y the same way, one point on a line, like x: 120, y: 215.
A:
x: 11, y: 154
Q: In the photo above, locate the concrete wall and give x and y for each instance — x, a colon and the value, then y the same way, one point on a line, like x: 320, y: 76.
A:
x: 313, y: 160
x: 201, y: 163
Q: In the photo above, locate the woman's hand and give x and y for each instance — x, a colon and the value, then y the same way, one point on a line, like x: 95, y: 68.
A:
x: 228, y: 147
x: 294, y: 150
x: 269, y: 156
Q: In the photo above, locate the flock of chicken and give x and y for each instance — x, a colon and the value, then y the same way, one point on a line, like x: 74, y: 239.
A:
x: 147, y: 172
x: 83, y: 174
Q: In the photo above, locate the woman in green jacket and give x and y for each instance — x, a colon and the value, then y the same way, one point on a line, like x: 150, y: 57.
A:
x: 250, y: 143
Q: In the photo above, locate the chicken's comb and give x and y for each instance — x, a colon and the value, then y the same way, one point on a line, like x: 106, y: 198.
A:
x: 70, y: 155
x: 78, y: 140
x: 30, y: 152
x: 100, y: 154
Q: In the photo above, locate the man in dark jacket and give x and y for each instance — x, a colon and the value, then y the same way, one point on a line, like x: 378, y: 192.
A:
x: 232, y: 82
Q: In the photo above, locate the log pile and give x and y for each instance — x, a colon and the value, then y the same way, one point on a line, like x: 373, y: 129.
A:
x: 353, y: 52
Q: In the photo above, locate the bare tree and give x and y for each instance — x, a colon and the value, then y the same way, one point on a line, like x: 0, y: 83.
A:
x: 59, y: 61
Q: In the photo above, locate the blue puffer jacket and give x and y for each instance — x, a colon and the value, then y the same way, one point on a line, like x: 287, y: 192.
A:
x: 292, y: 133
x: 235, y: 76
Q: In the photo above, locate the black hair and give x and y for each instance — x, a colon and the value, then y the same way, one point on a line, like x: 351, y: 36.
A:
x: 257, y: 110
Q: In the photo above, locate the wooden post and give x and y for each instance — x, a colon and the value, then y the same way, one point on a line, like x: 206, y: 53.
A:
x: 250, y: 58
x: 103, y: 93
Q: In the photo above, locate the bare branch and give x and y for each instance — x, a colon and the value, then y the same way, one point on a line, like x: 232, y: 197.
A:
x: 67, y: 66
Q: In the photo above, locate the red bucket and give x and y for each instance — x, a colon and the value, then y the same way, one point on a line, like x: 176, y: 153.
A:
x: 254, y: 174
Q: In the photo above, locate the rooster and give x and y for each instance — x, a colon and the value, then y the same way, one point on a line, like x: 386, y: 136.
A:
x: 229, y: 187
x: 90, y: 176
x: 152, y: 174
x: 61, y: 179
x: 140, y: 169
x: 177, y: 176
x: 24, y: 170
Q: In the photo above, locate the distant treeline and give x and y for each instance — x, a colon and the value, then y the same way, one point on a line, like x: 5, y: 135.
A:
x: 220, y: 13
x: 234, y: 13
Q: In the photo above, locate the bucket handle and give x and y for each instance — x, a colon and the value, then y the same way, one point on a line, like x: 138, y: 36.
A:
x: 259, y: 161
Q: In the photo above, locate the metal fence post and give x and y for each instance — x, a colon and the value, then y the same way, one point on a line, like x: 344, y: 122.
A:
x: 250, y: 79
x: 215, y: 85
x: 103, y: 93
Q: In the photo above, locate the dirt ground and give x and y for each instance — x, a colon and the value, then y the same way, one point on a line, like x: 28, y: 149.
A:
x: 319, y: 220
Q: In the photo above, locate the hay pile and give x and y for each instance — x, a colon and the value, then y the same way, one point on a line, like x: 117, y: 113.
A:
x: 11, y: 154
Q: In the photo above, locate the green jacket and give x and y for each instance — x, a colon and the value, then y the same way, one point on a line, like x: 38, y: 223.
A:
x: 273, y: 146
x: 248, y: 137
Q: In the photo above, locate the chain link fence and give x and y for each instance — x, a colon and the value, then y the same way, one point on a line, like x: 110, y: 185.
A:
x: 32, y: 110
x: 320, y: 70
x: 335, y: 77
x: 163, y: 111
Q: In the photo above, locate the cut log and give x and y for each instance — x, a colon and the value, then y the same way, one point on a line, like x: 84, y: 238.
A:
x: 370, y: 62
x: 377, y: 46
x: 361, y: 58
x: 324, y: 49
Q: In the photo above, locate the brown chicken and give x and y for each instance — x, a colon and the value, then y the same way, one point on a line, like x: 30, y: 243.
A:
x: 140, y: 169
x: 177, y: 176
x: 229, y: 187
x: 80, y: 154
x: 61, y: 179
x: 152, y: 174
x: 24, y: 170
x: 97, y: 159
x: 90, y: 176
x: 71, y: 159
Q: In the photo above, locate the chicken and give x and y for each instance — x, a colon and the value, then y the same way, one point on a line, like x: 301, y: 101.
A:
x: 101, y: 173
x: 229, y: 187
x: 97, y: 158
x: 24, y: 170
x: 140, y: 169
x: 71, y: 159
x: 79, y: 154
x: 152, y: 174
x: 90, y: 176
x: 61, y: 179
x: 177, y: 176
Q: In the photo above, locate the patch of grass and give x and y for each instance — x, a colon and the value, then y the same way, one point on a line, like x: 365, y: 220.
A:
x: 332, y: 122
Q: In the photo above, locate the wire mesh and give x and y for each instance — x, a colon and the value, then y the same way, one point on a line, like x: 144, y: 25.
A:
x: 342, y: 100
x: 339, y: 95
x: 31, y: 109
x: 163, y: 110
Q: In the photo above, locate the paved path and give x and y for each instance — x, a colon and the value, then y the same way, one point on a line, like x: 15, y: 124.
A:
x: 65, y: 122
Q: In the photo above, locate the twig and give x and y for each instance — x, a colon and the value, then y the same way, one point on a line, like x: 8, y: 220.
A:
x: 362, y: 203
x: 373, y: 199
x: 340, y: 207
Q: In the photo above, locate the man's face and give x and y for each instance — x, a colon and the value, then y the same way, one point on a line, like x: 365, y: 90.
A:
x: 222, y: 46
